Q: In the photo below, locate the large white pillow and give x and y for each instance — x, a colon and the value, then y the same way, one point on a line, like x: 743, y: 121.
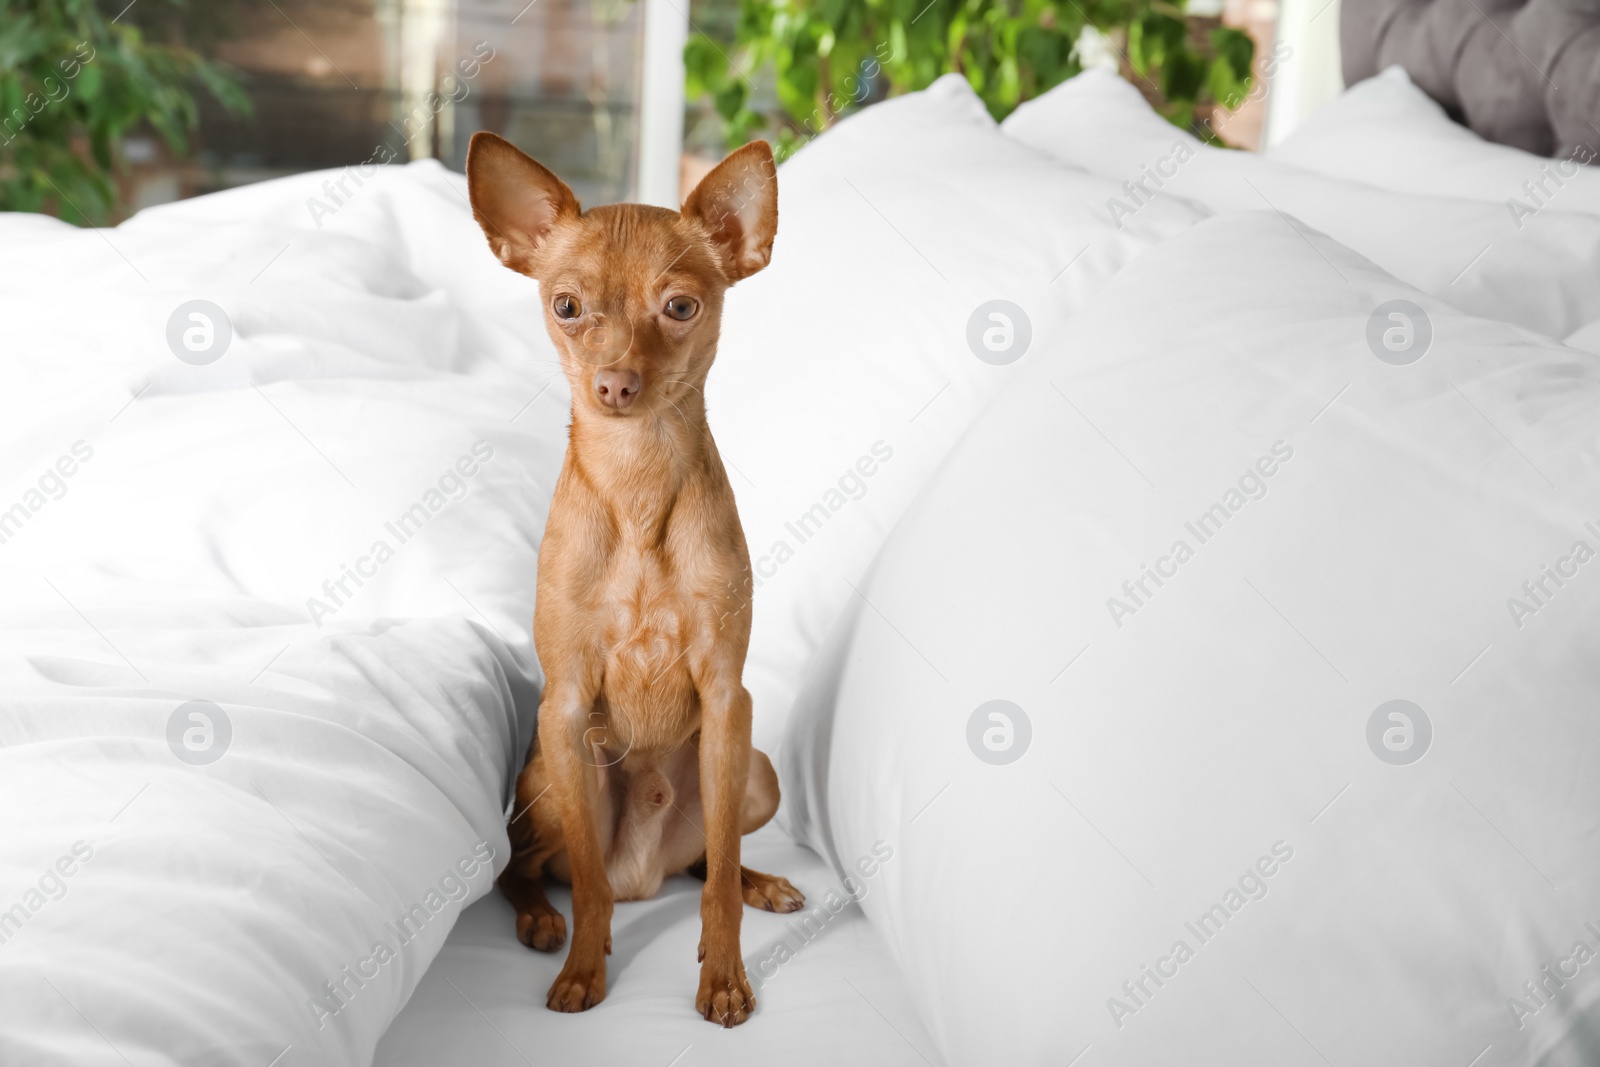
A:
x: 1217, y: 742
x: 1541, y: 274
x: 1387, y: 132
x: 850, y: 365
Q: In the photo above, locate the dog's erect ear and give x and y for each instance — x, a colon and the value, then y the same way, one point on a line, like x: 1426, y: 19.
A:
x: 738, y: 203
x: 515, y: 200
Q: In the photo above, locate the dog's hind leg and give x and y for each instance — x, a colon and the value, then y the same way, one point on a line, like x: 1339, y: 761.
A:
x: 535, y: 837
x: 769, y: 892
x: 539, y: 924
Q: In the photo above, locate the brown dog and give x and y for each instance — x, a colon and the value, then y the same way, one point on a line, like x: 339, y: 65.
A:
x: 643, y: 616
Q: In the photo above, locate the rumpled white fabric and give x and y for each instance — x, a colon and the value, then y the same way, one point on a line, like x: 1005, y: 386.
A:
x: 155, y: 910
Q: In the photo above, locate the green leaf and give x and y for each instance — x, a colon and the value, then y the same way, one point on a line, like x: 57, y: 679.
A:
x: 705, y: 66
x: 729, y: 99
x: 1182, y: 75
x: 100, y: 79
x: 1235, y: 48
x: 1229, y: 77
x: 802, y: 60
x: 88, y: 84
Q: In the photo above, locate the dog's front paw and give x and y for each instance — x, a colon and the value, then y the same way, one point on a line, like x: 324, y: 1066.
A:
x: 543, y: 930
x: 725, y: 996
x: 578, y: 987
x: 769, y: 892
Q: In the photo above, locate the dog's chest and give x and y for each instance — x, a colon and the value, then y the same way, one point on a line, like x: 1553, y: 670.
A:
x: 649, y: 626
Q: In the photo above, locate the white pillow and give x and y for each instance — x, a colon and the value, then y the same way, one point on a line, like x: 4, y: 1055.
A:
x: 1469, y: 253
x: 845, y: 369
x: 1387, y: 132
x: 1219, y: 744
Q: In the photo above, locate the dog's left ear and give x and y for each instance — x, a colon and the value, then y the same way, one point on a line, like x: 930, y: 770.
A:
x: 738, y: 203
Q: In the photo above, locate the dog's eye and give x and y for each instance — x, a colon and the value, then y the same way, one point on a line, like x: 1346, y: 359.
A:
x: 682, y: 308
x: 567, y: 307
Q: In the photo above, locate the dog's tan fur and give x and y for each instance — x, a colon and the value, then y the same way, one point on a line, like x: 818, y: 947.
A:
x: 642, y: 767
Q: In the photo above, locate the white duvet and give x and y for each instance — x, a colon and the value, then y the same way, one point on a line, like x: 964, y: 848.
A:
x: 265, y: 672
x: 265, y: 653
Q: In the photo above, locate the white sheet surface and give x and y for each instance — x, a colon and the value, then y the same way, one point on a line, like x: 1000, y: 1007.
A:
x: 827, y: 991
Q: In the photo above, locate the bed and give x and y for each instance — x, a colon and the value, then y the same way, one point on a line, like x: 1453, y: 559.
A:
x: 1174, y: 621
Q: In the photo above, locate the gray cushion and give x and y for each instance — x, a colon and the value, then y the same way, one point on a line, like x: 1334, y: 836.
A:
x: 1520, y: 73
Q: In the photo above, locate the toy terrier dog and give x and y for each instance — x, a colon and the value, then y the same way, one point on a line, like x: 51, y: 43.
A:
x: 642, y: 766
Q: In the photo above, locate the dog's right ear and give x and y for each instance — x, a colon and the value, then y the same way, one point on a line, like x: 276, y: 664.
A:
x: 515, y: 200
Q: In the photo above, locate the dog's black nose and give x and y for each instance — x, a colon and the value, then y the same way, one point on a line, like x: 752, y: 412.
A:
x: 616, y: 388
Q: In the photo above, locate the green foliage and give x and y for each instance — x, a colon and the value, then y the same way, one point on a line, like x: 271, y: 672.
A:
x: 73, y: 79
x: 823, y: 58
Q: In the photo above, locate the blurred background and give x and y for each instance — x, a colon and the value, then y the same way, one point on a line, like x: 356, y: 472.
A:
x: 107, y: 107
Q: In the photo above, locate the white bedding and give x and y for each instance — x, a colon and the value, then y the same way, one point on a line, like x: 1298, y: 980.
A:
x: 184, y: 531
x: 828, y: 990
x: 353, y: 758
x: 1307, y: 532
x: 1387, y: 132
x: 1476, y: 255
x: 366, y: 732
x: 848, y: 368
